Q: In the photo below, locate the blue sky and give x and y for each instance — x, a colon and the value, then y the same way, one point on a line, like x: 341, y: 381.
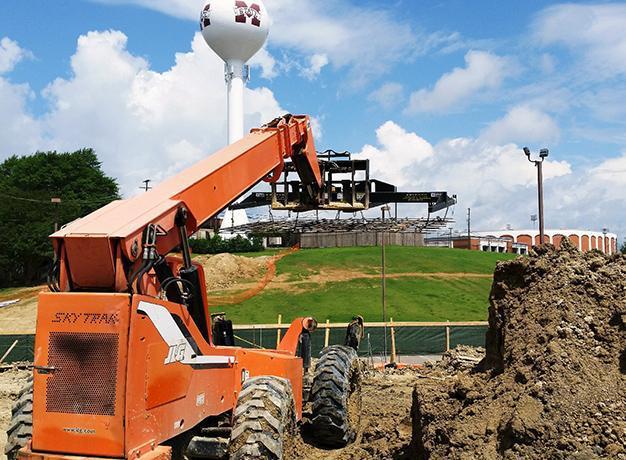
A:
x: 440, y: 94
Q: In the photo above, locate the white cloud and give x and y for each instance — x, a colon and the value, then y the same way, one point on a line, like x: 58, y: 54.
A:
x: 11, y: 54
x: 398, y: 150
x: 547, y: 63
x: 365, y: 39
x: 18, y: 128
x: 143, y: 124
x: 316, y: 63
x: 19, y: 131
x: 595, y: 32
x: 522, y: 124
x: 266, y: 62
x: 316, y: 128
x: 184, y: 9
x: 388, y: 95
x: 496, y: 181
x: 482, y: 71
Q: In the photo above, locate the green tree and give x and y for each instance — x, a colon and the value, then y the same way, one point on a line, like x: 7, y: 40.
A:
x: 27, y: 215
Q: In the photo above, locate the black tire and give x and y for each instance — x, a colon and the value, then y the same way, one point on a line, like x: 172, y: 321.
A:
x: 264, y: 419
x: 21, y: 427
x: 336, y: 396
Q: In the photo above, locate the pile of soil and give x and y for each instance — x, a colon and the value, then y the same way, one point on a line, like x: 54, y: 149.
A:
x: 225, y: 270
x: 552, y: 384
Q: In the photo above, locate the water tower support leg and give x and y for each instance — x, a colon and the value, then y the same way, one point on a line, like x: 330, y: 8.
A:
x: 235, y: 81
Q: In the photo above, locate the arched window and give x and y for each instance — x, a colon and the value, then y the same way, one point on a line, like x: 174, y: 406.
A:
x: 585, y: 243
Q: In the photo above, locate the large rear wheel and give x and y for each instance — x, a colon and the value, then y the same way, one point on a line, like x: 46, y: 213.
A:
x: 264, y: 419
x: 336, y: 396
x: 21, y: 427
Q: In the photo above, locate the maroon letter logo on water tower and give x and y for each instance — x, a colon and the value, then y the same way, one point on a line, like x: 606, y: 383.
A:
x: 205, y: 17
x: 243, y: 12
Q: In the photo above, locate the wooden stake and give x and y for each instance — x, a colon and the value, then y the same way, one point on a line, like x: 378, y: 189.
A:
x: 448, y: 337
x: 8, y: 351
x: 280, y: 320
x: 327, y: 334
x: 393, y: 343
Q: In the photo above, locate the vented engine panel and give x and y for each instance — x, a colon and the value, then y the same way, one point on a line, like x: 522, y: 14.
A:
x: 84, y: 379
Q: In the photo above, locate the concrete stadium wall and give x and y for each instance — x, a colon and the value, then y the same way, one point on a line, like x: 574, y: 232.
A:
x: 350, y: 239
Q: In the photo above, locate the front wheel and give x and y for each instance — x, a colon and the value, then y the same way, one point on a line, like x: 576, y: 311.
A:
x: 336, y: 396
x: 20, y: 430
x: 264, y: 419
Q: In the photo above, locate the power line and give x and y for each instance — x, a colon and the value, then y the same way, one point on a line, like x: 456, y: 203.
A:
x: 90, y: 201
x: 23, y: 199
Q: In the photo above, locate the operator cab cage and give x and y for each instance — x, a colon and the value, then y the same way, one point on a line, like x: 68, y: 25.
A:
x: 347, y: 188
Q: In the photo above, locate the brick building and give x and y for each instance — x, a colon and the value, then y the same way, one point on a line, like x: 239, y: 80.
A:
x: 584, y: 240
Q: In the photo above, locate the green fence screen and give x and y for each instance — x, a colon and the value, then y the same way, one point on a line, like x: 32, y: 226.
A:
x: 409, y: 340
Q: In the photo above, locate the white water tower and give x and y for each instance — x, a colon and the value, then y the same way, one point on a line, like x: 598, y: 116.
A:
x: 235, y: 30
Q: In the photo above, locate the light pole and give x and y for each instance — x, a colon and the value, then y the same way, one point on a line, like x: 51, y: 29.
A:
x: 382, y: 281
x: 56, y: 202
x: 606, y: 249
x: 469, y: 228
x: 543, y: 154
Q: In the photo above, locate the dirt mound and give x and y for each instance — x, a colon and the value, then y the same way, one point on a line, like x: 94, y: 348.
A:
x: 225, y: 270
x: 552, y: 384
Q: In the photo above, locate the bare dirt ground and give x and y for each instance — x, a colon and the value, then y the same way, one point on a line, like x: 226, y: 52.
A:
x: 226, y: 270
x: 20, y: 318
x: 385, y: 425
x: 385, y: 428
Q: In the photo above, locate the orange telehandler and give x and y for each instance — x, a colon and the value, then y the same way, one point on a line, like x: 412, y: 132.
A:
x: 129, y: 364
x: 127, y: 361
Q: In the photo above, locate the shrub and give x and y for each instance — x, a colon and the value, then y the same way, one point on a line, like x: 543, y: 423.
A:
x: 217, y: 244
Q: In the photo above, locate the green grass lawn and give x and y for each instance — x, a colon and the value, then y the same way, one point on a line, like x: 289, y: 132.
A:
x: 408, y: 298
x: 399, y: 260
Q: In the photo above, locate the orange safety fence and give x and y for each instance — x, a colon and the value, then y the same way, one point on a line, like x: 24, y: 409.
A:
x: 270, y: 273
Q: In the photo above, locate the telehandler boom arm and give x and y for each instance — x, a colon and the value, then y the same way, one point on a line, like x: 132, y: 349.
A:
x: 99, y: 251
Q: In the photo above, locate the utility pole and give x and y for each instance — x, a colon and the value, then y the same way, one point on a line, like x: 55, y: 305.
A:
x: 383, y: 282
x: 146, y: 185
x: 469, y: 228
x: 56, y: 202
x: 543, y: 154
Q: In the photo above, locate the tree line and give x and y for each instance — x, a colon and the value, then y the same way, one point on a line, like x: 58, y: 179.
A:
x: 30, y: 190
x: 28, y: 215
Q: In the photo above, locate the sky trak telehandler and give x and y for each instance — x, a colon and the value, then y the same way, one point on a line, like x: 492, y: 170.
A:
x: 128, y: 363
